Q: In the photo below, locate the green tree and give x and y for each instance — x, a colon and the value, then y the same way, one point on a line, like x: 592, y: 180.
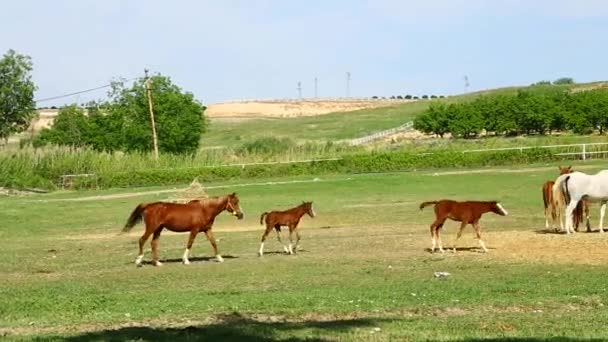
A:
x: 564, y: 80
x: 17, y: 106
x: 178, y: 116
x: 71, y: 127
x: 466, y: 120
x: 434, y: 120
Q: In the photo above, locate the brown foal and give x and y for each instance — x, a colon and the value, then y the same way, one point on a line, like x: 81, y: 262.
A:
x: 468, y: 212
x: 289, y: 218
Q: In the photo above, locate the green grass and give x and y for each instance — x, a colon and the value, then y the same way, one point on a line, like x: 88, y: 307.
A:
x: 66, y: 274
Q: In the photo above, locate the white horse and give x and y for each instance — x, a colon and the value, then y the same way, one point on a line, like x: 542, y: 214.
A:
x: 577, y: 186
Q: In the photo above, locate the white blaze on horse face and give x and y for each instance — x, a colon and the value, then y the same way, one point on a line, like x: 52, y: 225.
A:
x: 312, y: 211
x: 502, y: 209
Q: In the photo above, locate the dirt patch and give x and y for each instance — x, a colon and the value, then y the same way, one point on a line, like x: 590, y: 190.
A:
x: 547, y: 247
x: 293, y: 108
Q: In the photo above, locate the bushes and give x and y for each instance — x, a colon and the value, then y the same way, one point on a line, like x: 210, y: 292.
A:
x: 39, y: 170
x: 268, y: 145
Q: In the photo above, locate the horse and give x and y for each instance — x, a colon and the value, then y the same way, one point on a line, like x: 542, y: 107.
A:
x: 289, y: 218
x: 193, y: 217
x: 554, y: 203
x: 468, y: 212
x: 578, y: 186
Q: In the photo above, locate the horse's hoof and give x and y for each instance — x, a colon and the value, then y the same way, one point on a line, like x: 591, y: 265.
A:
x: 158, y: 263
x: 219, y: 259
x: 186, y: 262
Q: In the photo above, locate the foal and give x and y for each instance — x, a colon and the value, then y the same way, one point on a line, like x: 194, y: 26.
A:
x: 193, y: 217
x: 289, y: 218
x: 468, y: 212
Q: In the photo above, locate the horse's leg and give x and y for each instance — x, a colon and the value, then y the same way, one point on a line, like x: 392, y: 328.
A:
x: 602, y: 213
x: 295, y: 248
x: 547, y: 217
x: 586, y: 205
x: 142, y: 242
x: 478, y: 234
x: 553, y: 216
x: 291, y: 229
x: 435, y: 226
x: 277, y: 229
x: 191, y: 238
x: 459, y: 234
x: 211, y: 239
x: 438, y: 232
x: 154, y: 244
x: 266, y: 232
x: 569, y: 215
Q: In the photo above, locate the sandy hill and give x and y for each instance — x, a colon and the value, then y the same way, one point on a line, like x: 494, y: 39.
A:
x: 253, y: 109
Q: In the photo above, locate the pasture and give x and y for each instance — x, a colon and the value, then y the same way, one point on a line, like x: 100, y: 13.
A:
x: 363, y: 271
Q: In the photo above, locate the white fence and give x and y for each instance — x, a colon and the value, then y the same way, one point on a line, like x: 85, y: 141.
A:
x: 379, y: 135
x: 585, y: 151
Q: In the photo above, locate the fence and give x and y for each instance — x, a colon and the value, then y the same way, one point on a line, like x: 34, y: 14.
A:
x: 585, y: 151
x: 378, y: 135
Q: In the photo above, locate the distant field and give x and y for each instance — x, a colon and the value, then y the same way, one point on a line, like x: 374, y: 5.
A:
x: 329, y: 127
x: 363, y: 273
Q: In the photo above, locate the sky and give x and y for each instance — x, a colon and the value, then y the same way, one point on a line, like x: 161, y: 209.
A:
x: 230, y: 50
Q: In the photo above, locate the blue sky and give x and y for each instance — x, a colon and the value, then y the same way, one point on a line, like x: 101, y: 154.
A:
x: 259, y: 49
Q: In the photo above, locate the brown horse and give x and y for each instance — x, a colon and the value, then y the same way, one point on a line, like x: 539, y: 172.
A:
x: 193, y: 217
x: 289, y: 218
x: 468, y: 212
x: 552, y: 204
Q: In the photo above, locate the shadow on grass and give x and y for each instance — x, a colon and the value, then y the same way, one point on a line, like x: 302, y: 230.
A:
x: 192, y: 259
x: 532, y: 339
x: 563, y: 232
x: 233, y: 327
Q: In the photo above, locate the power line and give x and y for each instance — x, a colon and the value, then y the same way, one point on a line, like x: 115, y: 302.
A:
x: 79, y: 92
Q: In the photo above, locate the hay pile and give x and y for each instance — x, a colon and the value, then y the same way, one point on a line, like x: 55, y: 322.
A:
x: 194, y: 191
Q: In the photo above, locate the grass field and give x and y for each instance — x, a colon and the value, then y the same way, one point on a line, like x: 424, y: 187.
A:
x: 363, y: 272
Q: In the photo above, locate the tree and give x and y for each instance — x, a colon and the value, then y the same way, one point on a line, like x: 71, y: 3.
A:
x: 564, y: 80
x: 434, y: 120
x: 178, y: 116
x: 71, y: 127
x: 124, y: 124
x: 17, y: 106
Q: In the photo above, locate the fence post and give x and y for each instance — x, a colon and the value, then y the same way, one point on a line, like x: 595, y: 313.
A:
x: 584, y: 151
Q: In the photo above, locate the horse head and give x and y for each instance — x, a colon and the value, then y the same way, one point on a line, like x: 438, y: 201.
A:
x: 232, y: 206
x: 498, y: 209
x: 565, y: 170
x: 309, y: 209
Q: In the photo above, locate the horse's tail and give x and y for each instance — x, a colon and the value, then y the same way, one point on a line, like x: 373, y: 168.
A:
x: 426, y: 204
x: 565, y: 190
x: 262, y: 218
x: 561, y: 195
x: 547, y: 192
x: 135, y: 217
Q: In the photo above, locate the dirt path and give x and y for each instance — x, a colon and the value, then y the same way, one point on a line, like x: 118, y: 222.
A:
x: 166, y: 191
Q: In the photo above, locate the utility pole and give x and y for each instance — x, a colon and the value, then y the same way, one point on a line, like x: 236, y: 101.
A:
x: 299, y: 89
x: 348, y: 84
x: 316, y: 93
x: 149, y: 95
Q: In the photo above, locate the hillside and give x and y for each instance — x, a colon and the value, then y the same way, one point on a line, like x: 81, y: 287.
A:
x: 232, y: 124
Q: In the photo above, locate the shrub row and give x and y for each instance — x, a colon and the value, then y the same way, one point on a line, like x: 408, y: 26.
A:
x: 17, y: 172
